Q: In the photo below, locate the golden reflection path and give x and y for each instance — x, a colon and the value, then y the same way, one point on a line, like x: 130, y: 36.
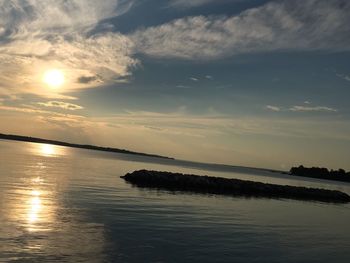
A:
x: 33, y: 219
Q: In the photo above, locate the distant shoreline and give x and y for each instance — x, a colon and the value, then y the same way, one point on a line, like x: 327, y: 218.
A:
x: 74, y: 145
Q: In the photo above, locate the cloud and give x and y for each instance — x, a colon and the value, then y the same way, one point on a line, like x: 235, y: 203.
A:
x: 36, y: 36
x: 61, y: 104
x: 180, y: 123
x: 275, y: 26
x: 301, y: 108
x: 36, y: 111
x: 345, y: 77
x: 183, y: 87
x: 194, y: 79
x: 22, y: 65
x: 87, y: 79
x: 33, y: 39
x: 316, y: 108
x: 27, y: 17
x: 192, y: 3
x: 273, y: 108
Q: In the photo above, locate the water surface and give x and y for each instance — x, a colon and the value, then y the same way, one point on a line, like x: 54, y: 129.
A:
x: 61, y: 204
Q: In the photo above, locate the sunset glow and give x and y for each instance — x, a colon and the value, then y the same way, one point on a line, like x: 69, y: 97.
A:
x: 233, y: 82
x: 54, y: 78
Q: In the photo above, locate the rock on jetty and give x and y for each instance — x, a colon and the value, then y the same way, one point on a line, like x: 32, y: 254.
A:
x: 232, y: 187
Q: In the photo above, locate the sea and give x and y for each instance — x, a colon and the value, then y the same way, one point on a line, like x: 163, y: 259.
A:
x: 60, y: 204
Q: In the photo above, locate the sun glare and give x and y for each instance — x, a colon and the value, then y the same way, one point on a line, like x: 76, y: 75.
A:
x: 54, y: 78
x: 47, y: 149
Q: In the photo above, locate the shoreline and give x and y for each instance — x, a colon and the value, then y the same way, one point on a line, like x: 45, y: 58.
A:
x: 75, y: 145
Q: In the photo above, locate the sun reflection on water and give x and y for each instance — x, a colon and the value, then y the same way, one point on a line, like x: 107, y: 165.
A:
x: 34, y: 207
x: 37, y: 180
x: 35, y: 204
x: 38, y: 210
x: 48, y: 149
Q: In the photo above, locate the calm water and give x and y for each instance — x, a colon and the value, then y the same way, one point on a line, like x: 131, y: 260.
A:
x: 69, y: 205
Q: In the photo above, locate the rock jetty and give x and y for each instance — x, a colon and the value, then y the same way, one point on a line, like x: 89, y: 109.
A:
x: 232, y: 187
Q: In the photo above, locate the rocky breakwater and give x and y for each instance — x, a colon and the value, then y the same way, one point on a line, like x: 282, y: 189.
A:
x: 232, y: 187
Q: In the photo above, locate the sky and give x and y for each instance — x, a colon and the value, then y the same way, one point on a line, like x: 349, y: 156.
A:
x: 245, y: 82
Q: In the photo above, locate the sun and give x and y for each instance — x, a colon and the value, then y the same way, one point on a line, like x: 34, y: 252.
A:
x: 54, y: 78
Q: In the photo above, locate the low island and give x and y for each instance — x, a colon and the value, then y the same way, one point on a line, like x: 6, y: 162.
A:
x: 75, y: 145
x: 321, y: 173
x: 232, y: 187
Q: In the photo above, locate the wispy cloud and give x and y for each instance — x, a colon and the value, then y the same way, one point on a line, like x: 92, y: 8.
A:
x: 194, y: 79
x: 343, y: 76
x: 315, y: 109
x: 220, y: 124
x: 37, y: 111
x: 277, y: 25
x: 301, y: 108
x: 273, y: 108
x: 61, y: 104
x: 183, y: 87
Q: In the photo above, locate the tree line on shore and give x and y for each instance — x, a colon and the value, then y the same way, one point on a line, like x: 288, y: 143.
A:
x: 321, y: 173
